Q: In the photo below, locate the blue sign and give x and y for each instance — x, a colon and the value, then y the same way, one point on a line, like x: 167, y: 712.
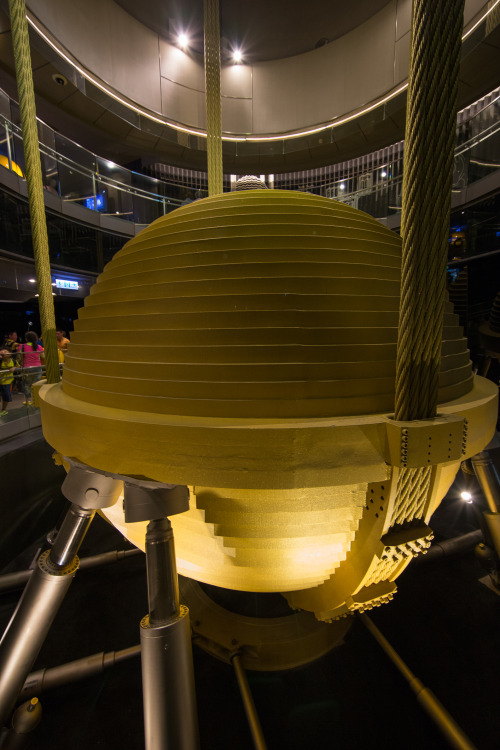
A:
x: 64, y: 284
x: 95, y: 204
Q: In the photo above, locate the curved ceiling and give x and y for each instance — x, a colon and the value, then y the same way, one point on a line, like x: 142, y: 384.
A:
x: 264, y: 30
x: 111, y: 133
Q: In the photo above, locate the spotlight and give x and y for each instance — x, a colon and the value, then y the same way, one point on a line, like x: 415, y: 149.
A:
x: 341, y: 186
x: 466, y: 496
x: 237, y: 56
x: 183, y: 40
x: 32, y: 281
x: 383, y: 173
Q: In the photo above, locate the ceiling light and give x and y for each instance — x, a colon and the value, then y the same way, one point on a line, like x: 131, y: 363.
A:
x: 236, y: 138
x: 341, y: 186
x: 183, y: 40
x: 383, y: 173
x: 32, y: 281
x: 466, y: 496
x: 237, y: 56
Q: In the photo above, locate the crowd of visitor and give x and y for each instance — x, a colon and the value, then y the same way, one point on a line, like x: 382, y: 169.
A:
x: 21, y: 365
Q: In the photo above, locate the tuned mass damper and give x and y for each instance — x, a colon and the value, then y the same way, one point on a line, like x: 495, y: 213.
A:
x: 245, y: 345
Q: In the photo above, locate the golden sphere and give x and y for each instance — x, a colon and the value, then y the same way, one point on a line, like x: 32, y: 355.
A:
x: 245, y: 345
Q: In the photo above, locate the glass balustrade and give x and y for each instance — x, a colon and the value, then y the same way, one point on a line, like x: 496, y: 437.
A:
x: 74, y: 175
x: 372, y: 183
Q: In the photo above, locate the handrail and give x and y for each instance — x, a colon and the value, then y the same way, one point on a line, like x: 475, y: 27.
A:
x: 379, y: 173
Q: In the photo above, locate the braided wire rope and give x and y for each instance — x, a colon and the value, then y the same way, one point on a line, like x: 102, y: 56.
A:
x: 213, y: 104
x: 429, y: 142
x: 22, y: 57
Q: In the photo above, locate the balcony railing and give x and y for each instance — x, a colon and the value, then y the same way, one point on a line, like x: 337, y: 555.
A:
x: 372, y: 183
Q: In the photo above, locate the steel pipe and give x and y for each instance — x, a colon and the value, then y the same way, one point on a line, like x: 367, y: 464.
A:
x: 247, y: 698
x: 455, y: 546
x: 487, y: 477
x: 38, y: 606
x: 29, y: 626
x: 71, y: 534
x: 46, y: 679
x: 10, y: 581
x: 170, y: 719
x: 431, y: 705
x: 163, y: 584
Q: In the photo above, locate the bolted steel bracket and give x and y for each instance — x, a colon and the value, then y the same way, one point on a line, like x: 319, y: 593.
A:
x: 146, y: 501
x: 90, y: 488
x: 425, y: 442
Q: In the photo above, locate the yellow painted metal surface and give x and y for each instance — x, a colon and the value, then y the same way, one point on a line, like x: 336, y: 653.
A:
x: 245, y: 345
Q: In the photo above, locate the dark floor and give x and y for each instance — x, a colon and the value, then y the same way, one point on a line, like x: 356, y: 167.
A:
x: 443, y: 622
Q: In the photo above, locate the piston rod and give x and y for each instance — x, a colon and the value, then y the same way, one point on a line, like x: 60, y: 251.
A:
x: 437, y: 712
x: 170, y: 719
x: 87, y: 490
x: 247, y: 698
x: 38, y: 606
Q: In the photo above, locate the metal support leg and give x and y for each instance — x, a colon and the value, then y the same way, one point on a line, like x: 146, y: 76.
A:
x: 29, y: 626
x: 170, y: 718
x: 48, y: 585
x: 489, y: 482
x: 250, y: 710
x: 437, y: 712
x: 487, y: 477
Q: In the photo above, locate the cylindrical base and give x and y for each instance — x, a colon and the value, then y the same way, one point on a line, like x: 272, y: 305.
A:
x: 170, y: 718
x: 28, y: 628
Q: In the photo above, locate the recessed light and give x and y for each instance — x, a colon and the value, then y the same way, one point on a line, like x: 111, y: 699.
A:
x: 32, y: 281
x: 183, y: 40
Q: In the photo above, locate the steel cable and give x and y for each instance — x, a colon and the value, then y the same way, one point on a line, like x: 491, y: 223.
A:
x: 429, y: 143
x: 213, y: 103
x: 22, y: 57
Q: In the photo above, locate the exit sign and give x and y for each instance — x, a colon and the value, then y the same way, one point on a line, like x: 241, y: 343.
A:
x: 64, y: 284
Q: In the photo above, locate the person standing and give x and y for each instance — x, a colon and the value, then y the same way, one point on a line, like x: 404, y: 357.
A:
x: 30, y: 353
x: 12, y: 345
x: 62, y: 344
x: 6, y: 378
x: 62, y: 341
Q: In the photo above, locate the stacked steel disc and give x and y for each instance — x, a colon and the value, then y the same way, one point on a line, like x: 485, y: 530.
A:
x: 245, y: 345
x: 260, y: 304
